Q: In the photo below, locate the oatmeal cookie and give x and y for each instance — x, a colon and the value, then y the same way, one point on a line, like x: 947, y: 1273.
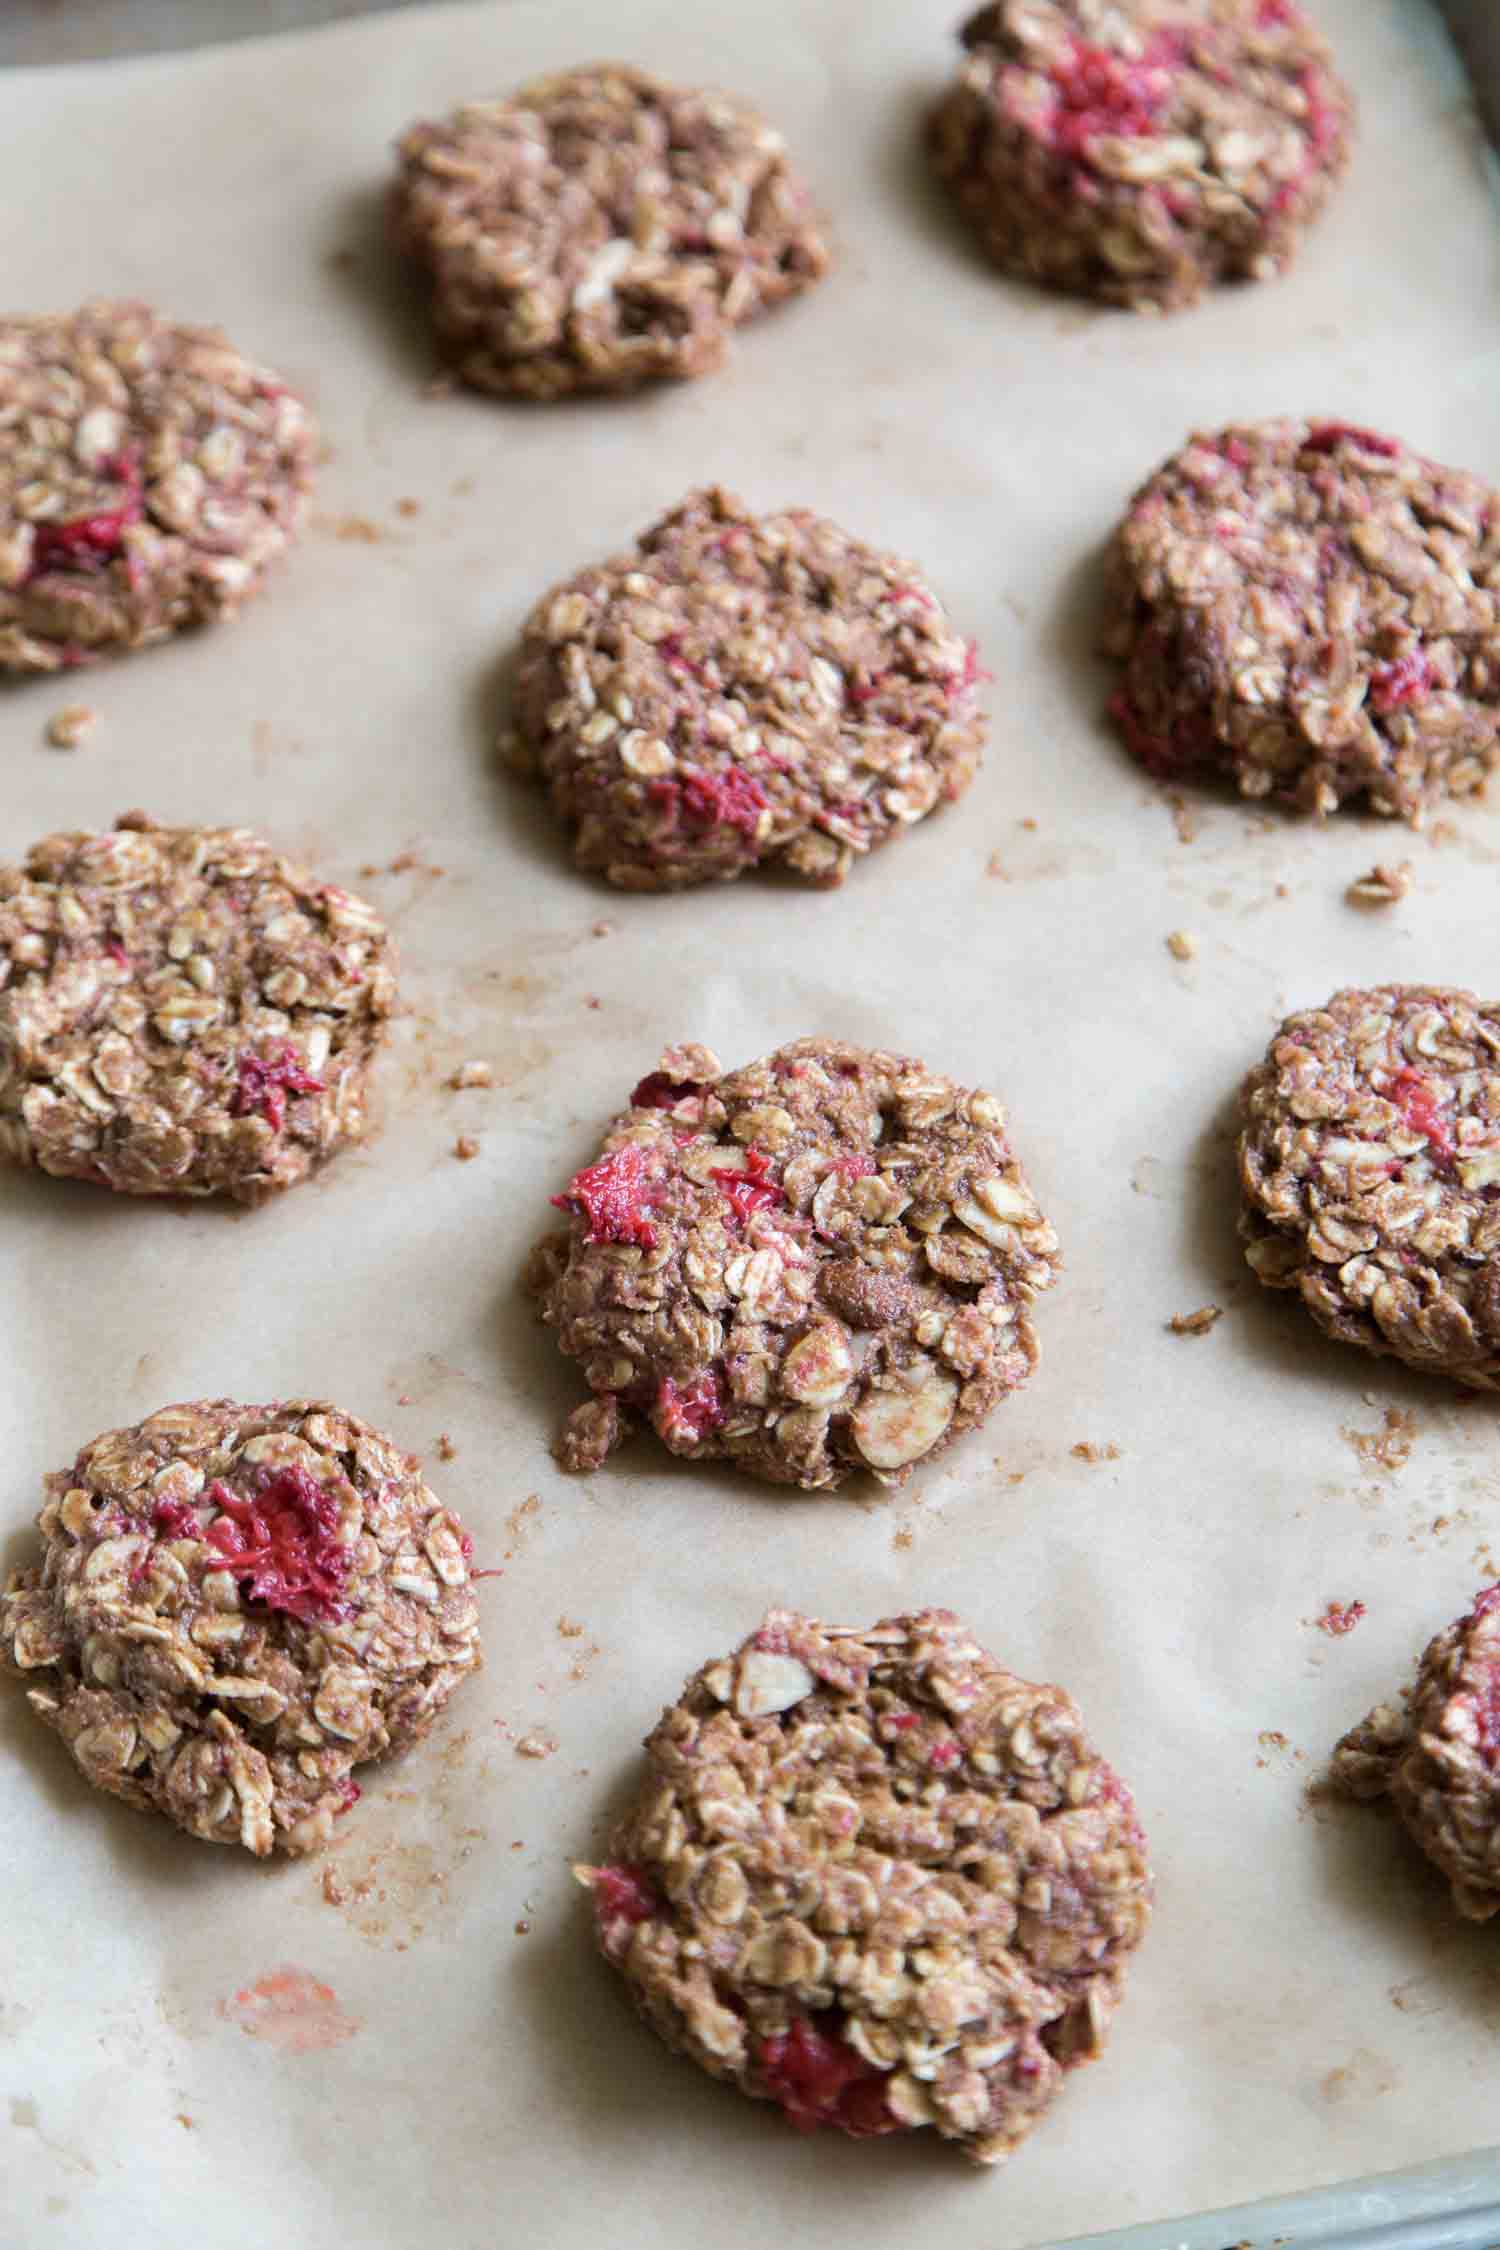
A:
x: 1141, y: 150
x: 1313, y: 611
x: 740, y: 689
x: 818, y: 1264
x: 149, y: 476
x: 1437, y: 1757
x: 1370, y: 1172
x: 877, y: 1879
x: 600, y: 229
x: 183, y: 1011
x: 237, y: 1605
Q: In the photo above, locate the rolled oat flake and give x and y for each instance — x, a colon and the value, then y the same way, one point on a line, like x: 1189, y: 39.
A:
x: 819, y: 1264
x: 235, y: 1607
x: 877, y: 1879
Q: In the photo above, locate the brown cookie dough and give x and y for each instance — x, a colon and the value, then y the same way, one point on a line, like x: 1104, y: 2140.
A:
x: 739, y: 690
x: 879, y: 1880
x: 236, y: 1606
x: 1370, y: 1171
x: 183, y: 1011
x: 600, y: 229
x: 1141, y: 150
x: 149, y: 477
x: 818, y: 1264
x: 1437, y: 1758
x: 1313, y: 611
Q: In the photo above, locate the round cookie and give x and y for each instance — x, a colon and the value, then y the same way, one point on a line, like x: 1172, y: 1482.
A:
x: 149, y: 477
x: 818, y: 1264
x: 1310, y: 610
x: 601, y: 229
x: 879, y: 1880
x: 1141, y: 150
x: 236, y: 1606
x: 1438, y: 1758
x: 183, y: 1011
x: 739, y: 690
x: 1370, y: 1171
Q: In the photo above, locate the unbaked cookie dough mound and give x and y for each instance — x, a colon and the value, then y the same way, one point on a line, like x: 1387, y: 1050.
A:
x: 1310, y: 610
x: 183, y: 1011
x: 1141, y: 150
x: 821, y: 1263
x: 1370, y: 1172
x: 1437, y: 1757
x: 600, y: 229
x: 740, y: 690
x: 877, y: 1879
x: 149, y: 477
x: 235, y: 1607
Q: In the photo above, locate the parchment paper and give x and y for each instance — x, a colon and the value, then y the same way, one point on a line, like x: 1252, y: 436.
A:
x: 1306, y: 2008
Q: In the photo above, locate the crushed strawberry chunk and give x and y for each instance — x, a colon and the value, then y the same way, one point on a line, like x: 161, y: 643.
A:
x: 281, y: 1545
x: 1340, y: 1618
x: 661, y: 1092
x: 732, y: 799
x: 817, y: 2078
x: 1416, y: 1098
x: 1098, y: 92
x: 1404, y: 682
x: 117, y: 953
x: 1279, y: 15
x: 860, y: 1167
x: 349, y: 1797
x: 622, y: 1894
x: 944, y: 1754
x: 263, y: 1082
x: 691, y: 1411
x: 614, y: 1195
x: 1329, y: 435
x: 175, y: 1519
x: 750, y: 1190
x: 89, y: 542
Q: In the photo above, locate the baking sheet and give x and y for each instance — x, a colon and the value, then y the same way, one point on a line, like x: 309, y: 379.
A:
x: 1306, y: 2009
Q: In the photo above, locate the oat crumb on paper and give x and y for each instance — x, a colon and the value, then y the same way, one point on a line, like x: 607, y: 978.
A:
x: 1182, y: 945
x: 1086, y: 1450
x: 446, y: 1449
x: 471, y: 1074
x: 570, y: 1629
x: 1382, y: 885
x: 66, y: 728
x: 408, y: 508
x: 466, y: 1148
x: 536, y: 1744
x: 1339, y: 1618
x: 1389, y: 1447
x: 1196, y: 1323
x: 1184, y: 819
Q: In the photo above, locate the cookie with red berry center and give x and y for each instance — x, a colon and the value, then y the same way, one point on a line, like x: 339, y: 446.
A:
x: 1436, y: 1757
x: 601, y: 229
x: 1140, y: 151
x: 150, y: 476
x: 183, y: 1011
x: 820, y: 1264
x: 1370, y: 1174
x: 1309, y: 610
x: 235, y: 1607
x: 743, y: 690
x: 875, y: 1878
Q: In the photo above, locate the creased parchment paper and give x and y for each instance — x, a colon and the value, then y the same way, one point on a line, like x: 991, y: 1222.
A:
x: 1306, y: 2008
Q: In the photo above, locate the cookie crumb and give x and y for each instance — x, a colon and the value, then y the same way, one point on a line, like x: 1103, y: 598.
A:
x: 1183, y: 819
x: 471, y: 1074
x: 570, y: 1629
x: 1195, y: 1323
x: 1389, y: 1447
x: 466, y: 1148
x: 1381, y: 886
x: 1085, y: 1451
x: 66, y: 728
x: 523, y: 1929
x: 446, y: 1449
x: 1182, y: 945
x: 408, y: 508
x: 536, y: 1745
x: 602, y: 929
x: 1339, y: 1618
x: 334, y: 1893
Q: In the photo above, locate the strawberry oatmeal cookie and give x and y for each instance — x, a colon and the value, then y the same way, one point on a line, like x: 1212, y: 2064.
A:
x: 235, y: 1607
x: 877, y: 1879
x: 1140, y: 150
x: 1370, y: 1172
x: 819, y: 1264
x: 600, y: 229
x: 1311, y: 611
x: 183, y: 1011
x: 739, y: 690
x: 1436, y: 1757
x: 149, y: 477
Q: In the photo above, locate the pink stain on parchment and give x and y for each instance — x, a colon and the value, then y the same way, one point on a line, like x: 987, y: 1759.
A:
x: 292, y: 2010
